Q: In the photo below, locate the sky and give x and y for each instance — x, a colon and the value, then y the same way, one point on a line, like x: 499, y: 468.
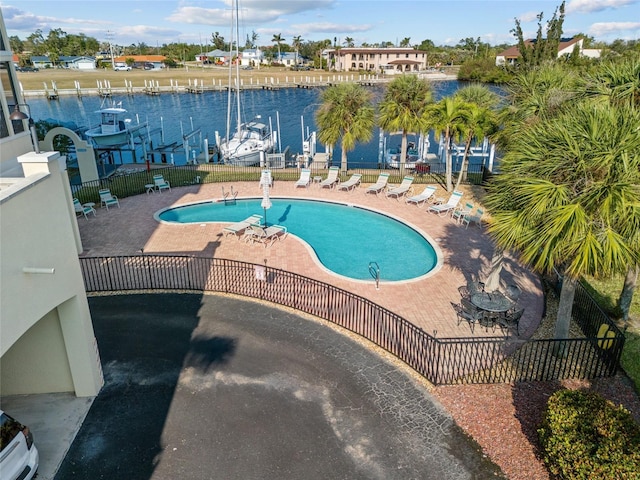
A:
x: 445, y: 22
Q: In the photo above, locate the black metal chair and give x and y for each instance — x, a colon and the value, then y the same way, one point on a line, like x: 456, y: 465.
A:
x: 475, y: 287
x: 513, y: 292
x: 511, y: 321
x: 464, y: 292
x: 469, y: 312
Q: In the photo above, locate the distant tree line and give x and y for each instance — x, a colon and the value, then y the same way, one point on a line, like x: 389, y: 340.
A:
x: 476, y: 58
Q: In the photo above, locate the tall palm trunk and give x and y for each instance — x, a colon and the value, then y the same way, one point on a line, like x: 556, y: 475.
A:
x: 493, y: 279
x: 467, y: 147
x: 626, y: 296
x: 447, y: 153
x: 343, y: 160
x: 563, y: 320
x: 403, y: 153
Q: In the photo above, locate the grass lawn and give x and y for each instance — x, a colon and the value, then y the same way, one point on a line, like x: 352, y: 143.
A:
x: 607, y: 293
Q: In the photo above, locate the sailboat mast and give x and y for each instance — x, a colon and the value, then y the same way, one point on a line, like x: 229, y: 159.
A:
x: 230, y: 72
x: 238, y: 69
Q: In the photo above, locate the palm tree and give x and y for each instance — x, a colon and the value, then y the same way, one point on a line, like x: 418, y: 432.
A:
x: 277, y: 39
x: 402, y: 109
x: 348, y: 42
x: 481, y: 120
x: 567, y: 197
x: 297, y: 43
x: 347, y: 114
x: 618, y: 83
x: 448, y: 118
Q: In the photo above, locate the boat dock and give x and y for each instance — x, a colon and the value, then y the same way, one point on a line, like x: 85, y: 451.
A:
x: 199, y: 85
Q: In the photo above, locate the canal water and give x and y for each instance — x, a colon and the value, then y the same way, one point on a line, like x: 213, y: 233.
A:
x: 176, y: 114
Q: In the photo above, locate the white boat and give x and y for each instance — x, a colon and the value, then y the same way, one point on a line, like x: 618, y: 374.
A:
x: 113, y: 129
x: 248, y: 144
x: 417, y: 151
x: 251, y: 141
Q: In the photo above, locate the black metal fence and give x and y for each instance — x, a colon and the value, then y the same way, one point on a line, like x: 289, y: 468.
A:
x: 133, y: 181
x: 440, y: 360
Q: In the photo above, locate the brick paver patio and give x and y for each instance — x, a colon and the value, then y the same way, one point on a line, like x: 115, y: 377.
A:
x: 427, y: 302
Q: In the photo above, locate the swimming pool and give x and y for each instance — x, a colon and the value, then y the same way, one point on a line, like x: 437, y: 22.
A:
x: 345, y: 238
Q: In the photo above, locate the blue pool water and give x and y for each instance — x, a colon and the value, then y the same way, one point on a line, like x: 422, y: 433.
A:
x: 345, y: 238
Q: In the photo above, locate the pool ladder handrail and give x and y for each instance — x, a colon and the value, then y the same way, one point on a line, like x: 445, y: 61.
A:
x: 374, y: 271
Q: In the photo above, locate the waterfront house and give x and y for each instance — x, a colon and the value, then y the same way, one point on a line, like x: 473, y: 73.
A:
x: 214, y: 57
x: 376, y: 60
x: 565, y: 47
x: 41, y: 61
x: 77, y: 63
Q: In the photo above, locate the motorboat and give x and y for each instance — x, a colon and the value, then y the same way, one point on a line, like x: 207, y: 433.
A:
x: 417, y: 152
x: 251, y: 141
x: 114, y: 129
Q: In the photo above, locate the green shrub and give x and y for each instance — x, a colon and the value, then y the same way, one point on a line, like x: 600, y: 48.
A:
x: 584, y: 436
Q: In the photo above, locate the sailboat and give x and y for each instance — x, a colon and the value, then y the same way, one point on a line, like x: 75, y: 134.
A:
x: 251, y: 140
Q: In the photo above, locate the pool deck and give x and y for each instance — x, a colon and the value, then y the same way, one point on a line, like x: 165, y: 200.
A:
x: 425, y: 302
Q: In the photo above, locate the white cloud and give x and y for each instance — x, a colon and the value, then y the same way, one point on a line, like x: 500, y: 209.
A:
x: 589, y: 6
x: 618, y: 28
x: 528, y: 17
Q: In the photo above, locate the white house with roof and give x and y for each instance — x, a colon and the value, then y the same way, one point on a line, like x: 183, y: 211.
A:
x: 47, y: 343
x: 565, y: 47
x: 251, y: 57
x: 78, y: 62
x: 214, y: 57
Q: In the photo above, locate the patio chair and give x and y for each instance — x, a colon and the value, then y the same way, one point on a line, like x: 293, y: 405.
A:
x: 423, y: 197
x: 513, y: 292
x: 305, y: 178
x: 380, y: 184
x: 402, y: 189
x: 352, y: 183
x: 475, y: 287
x: 83, y: 209
x: 267, y: 236
x: 475, y: 218
x: 332, y: 178
x: 107, y: 199
x: 464, y: 292
x: 161, y: 183
x: 511, y: 321
x: 469, y: 312
x: 238, y: 228
x: 445, y: 208
x: 459, y: 213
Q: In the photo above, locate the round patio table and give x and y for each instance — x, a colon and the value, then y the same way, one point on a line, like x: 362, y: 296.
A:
x: 491, y: 302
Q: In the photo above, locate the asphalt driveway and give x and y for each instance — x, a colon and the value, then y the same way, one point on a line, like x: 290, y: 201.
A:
x: 213, y: 387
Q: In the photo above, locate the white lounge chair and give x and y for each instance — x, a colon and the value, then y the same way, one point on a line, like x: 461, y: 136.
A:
x: 238, y: 228
x: 352, y: 183
x: 459, y: 212
x: 83, y: 209
x: 475, y: 218
x: 267, y: 236
x: 423, y: 197
x: 107, y: 199
x: 444, y: 208
x: 380, y: 184
x: 161, y: 183
x: 402, y: 189
x: 305, y: 178
x: 332, y: 178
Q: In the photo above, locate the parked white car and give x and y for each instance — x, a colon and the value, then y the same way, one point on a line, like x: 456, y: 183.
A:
x: 122, y: 68
x: 18, y: 455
